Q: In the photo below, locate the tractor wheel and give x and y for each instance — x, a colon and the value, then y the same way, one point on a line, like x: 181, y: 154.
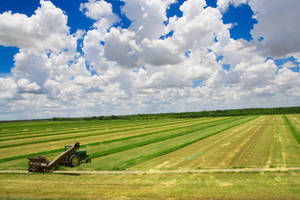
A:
x: 74, y: 161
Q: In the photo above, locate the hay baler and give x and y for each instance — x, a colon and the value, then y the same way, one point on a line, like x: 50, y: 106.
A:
x: 71, y: 157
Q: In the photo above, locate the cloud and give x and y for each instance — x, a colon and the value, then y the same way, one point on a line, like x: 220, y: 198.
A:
x: 135, y: 70
x: 134, y: 47
x: 45, y: 29
x: 120, y: 46
x: 96, y: 9
x: 201, y: 26
x: 32, y: 66
x: 26, y: 85
x: 147, y: 17
x: 159, y: 52
x: 100, y: 11
x: 8, y: 88
x: 278, y: 26
x: 224, y: 4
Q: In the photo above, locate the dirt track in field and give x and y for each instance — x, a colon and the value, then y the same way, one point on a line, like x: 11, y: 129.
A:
x: 197, y: 171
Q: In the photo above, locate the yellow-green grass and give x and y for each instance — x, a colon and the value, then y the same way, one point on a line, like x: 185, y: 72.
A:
x: 20, y: 150
x: 125, y: 143
x: 44, y: 125
x: 195, y: 155
x: 230, y: 142
x: 218, y: 186
x: 290, y: 147
x: 264, y: 142
x: 293, y: 122
x: 88, y: 127
x: 51, y: 128
x: 24, y: 140
x: 129, y: 158
x: 12, y: 127
x: 234, y: 142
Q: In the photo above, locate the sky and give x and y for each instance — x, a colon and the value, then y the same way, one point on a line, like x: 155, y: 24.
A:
x: 114, y: 57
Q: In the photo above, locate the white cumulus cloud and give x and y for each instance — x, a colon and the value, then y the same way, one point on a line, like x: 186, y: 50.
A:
x: 278, y: 27
x: 45, y: 29
x: 135, y: 70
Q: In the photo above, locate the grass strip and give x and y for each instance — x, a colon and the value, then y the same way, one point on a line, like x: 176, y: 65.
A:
x: 53, y: 127
x: 72, y: 137
x: 20, y: 126
x: 144, y: 158
x: 82, y: 126
x: 31, y: 154
x: 49, y: 134
x: 155, y: 132
x: 92, y: 129
x: 292, y: 128
x: 81, y: 129
x: 107, y: 141
x: 154, y: 140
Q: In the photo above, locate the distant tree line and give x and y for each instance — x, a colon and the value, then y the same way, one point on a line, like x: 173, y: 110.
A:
x: 213, y: 113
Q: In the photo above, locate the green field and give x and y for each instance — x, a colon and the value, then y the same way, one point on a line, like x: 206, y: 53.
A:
x: 255, y: 142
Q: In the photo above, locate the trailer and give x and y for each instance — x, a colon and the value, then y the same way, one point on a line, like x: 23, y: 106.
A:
x: 71, y: 157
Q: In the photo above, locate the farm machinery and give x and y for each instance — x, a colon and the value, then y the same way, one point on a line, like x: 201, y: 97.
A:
x: 71, y: 157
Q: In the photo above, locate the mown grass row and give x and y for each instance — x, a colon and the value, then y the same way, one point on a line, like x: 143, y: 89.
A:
x: 42, y: 125
x: 213, y: 123
x: 95, y: 133
x: 143, y: 158
x: 104, y: 124
x: 293, y: 129
x: 115, y: 160
x: 158, y: 139
x: 75, y: 136
x: 212, y: 152
x: 31, y: 154
x: 50, y: 133
x: 49, y: 130
x: 156, y: 132
x: 148, y: 125
x: 71, y: 130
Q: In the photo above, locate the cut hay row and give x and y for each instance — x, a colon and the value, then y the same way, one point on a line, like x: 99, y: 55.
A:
x: 248, y: 145
x: 117, y: 128
x: 75, y: 127
x: 44, y: 125
x: 20, y: 162
x: 126, y: 159
x: 144, y: 158
x: 292, y: 128
x: 243, y: 153
x: 8, y: 144
x: 266, y: 142
x: 295, y: 121
x: 80, y: 125
x: 119, y: 139
x: 10, y: 127
x: 290, y: 146
x: 202, y: 154
x: 159, y: 138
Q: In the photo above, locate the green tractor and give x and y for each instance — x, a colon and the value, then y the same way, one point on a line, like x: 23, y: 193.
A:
x: 76, y: 158
x: 71, y: 157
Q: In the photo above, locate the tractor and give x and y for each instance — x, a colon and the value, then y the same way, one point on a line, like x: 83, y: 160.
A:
x: 75, y: 159
x: 71, y: 157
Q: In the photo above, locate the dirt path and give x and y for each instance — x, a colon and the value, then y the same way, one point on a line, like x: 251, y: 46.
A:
x: 200, y: 171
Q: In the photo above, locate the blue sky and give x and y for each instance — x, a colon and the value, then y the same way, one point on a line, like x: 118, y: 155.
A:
x: 96, y: 57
